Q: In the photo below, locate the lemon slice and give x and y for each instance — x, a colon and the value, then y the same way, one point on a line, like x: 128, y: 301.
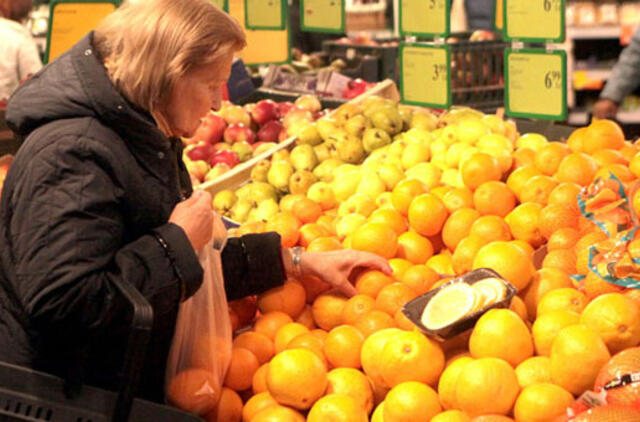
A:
x: 491, y: 289
x: 449, y: 305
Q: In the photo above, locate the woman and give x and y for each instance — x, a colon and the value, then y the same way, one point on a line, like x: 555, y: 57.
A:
x: 19, y: 52
x: 95, y: 194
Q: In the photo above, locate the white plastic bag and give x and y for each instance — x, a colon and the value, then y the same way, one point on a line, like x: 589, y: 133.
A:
x: 201, y: 347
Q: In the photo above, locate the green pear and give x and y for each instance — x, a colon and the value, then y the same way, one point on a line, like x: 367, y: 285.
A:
x: 264, y: 211
x: 323, y: 151
x: 308, y: 134
x: 300, y: 181
x: 324, y: 170
x: 345, y: 112
x: 303, y: 157
x: 243, y: 150
x: 267, y: 146
x: 387, y: 119
x: 371, y: 185
x: 244, y: 190
x: 326, y: 127
x: 375, y: 138
x: 428, y: 173
x: 390, y: 174
x: 357, y: 125
x: 418, y: 136
x: 351, y: 150
x: 345, y: 183
x: 240, y: 210
x: 407, y: 115
x: 322, y: 193
x: 260, y: 170
x: 261, y: 191
x: 281, y: 154
x: 414, y: 153
x: 424, y: 120
x: 370, y: 104
x: 279, y: 174
x: 223, y: 201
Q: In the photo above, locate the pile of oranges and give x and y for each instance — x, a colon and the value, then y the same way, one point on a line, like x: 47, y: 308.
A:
x: 316, y: 355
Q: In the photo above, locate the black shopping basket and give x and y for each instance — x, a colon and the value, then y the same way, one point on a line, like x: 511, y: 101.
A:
x: 28, y: 395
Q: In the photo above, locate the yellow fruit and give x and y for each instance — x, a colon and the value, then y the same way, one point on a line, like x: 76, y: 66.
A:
x: 517, y: 305
x: 409, y: 402
x: 371, y: 351
x: 410, y: 356
x: 296, y: 378
x: 544, y: 280
x: 278, y: 413
x: 377, y: 415
x: 487, y: 385
x: 441, y: 263
x: 568, y: 299
x: 427, y: 214
x: 342, y: 347
x: 500, y: 333
x: 451, y: 416
x: 547, y: 326
x: 616, y: 318
x: 534, y: 370
x: 542, y: 402
x: 257, y: 403
x: 337, y: 408
x: 286, y: 333
x: 450, y: 304
x: 577, y: 354
x: 511, y: 262
x: 353, y: 383
x: 449, y: 380
x: 523, y: 223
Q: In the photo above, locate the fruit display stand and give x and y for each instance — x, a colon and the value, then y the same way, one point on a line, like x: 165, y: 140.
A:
x: 240, y: 174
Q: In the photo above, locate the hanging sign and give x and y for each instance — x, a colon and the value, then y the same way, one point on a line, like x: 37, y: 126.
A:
x: 70, y: 21
x: 534, y: 20
x: 536, y: 84
x: 322, y: 16
x: 265, y: 14
x: 425, y: 75
x: 425, y: 18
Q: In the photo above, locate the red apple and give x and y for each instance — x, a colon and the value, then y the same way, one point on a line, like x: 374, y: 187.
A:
x: 270, y: 131
x: 211, y: 129
x: 200, y: 151
x: 265, y: 111
x: 229, y: 158
x: 239, y: 132
x: 284, y: 108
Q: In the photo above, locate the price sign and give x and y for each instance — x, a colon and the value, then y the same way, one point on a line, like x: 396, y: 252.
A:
x: 534, y: 20
x: 498, y: 15
x: 425, y: 75
x: 536, y: 84
x: 222, y: 4
x: 322, y: 16
x: 265, y: 14
x: 425, y: 18
x: 70, y: 21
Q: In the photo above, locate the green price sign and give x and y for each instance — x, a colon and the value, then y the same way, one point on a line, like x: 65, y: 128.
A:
x: 322, y: 16
x: 425, y: 18
x: 536, y: 84
x: 534, y: 20
x: 265, y: 14
x: 222, y: 4
x: 425, y: 75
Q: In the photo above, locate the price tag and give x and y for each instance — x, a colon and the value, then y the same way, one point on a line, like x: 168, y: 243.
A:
x: 498, y: 15
x: 536, y: 84
x: 322, y: 16
x: 222, y: 4
x: 425, y: 75
x: 265, y: 14
x: 425, y: 18
x: 70, y: 21
x: 534, y: 20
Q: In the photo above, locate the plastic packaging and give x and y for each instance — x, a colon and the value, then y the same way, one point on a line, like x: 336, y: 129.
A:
x: 201, y: 347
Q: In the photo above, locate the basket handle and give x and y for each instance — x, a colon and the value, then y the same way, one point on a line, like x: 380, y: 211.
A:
x: 141, y: 324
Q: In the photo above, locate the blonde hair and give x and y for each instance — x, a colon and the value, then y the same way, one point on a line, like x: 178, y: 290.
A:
x: 147, y: 45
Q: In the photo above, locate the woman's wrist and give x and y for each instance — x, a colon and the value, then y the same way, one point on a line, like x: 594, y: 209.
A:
x: 292, y: 259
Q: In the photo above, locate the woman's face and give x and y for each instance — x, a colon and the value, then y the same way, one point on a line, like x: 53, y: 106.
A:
x: 199, y: 91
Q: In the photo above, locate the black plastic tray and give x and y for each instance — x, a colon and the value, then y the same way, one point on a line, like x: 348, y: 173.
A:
x: 413, y: 309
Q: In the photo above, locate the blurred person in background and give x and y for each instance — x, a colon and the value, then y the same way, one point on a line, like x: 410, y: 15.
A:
x: 18, y: 52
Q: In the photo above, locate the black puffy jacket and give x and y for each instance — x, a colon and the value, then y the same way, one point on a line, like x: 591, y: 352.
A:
x: 87, y: 200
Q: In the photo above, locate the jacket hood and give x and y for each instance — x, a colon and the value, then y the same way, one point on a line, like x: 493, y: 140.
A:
x: 76, y: 85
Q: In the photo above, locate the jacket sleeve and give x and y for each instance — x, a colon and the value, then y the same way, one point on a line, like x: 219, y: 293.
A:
x: 69, y: 243
x: 252, y: 264
x: 625, y: 76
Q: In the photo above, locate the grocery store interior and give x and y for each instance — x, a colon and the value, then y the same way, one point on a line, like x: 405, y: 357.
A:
x: 320, y: 210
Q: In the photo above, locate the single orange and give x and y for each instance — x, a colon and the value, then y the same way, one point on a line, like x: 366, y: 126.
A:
x: 427, y: 214
x: 390, y: 217
x: 309, y: 232
x: 194, y: 390
x: 411, y: 356
x: 508, y: 260
x: 490, y: 228
x: 404, y: 192
x: 357, y: 306
x: 306, y: 210
x: 479, y: 168
x: 557, y: 216
x: 342, y: 347
x: 309, y: 341
x: 575, y: 142
x: 287, y: 226
x: 376, y: 238
x: 328, y: 223
x: 414, y: 248
x: 289, y: 298
x: 351, y: 382
x: 565, y: 193
x: 545, y: 280
x: 242, y: 367
x: 398, y: 267
x: 462, y: 259
x: 374, y: 321
x: 523, y: 157
x: 327, y: 310
x: 371, y: 282
x: 259, y: 380
x: 548, y: 158
x: 259, y: 344
x: 603, y: 134
x: 420, y: 279
x: 286, y: 333
x: 563, y: 238
x: 393, y: 296
x: 578, y: 168
x: 524, y: 223
x: 458, y: 198
x: 228, y: 409
x: 494, y: 198
x: 257, y: 403
x: 458, y: 226
x: 537, y: 189
x: 324, y: 244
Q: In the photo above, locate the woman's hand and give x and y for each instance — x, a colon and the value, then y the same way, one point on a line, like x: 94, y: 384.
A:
x: 341, y: 268
x: 195, y: 217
